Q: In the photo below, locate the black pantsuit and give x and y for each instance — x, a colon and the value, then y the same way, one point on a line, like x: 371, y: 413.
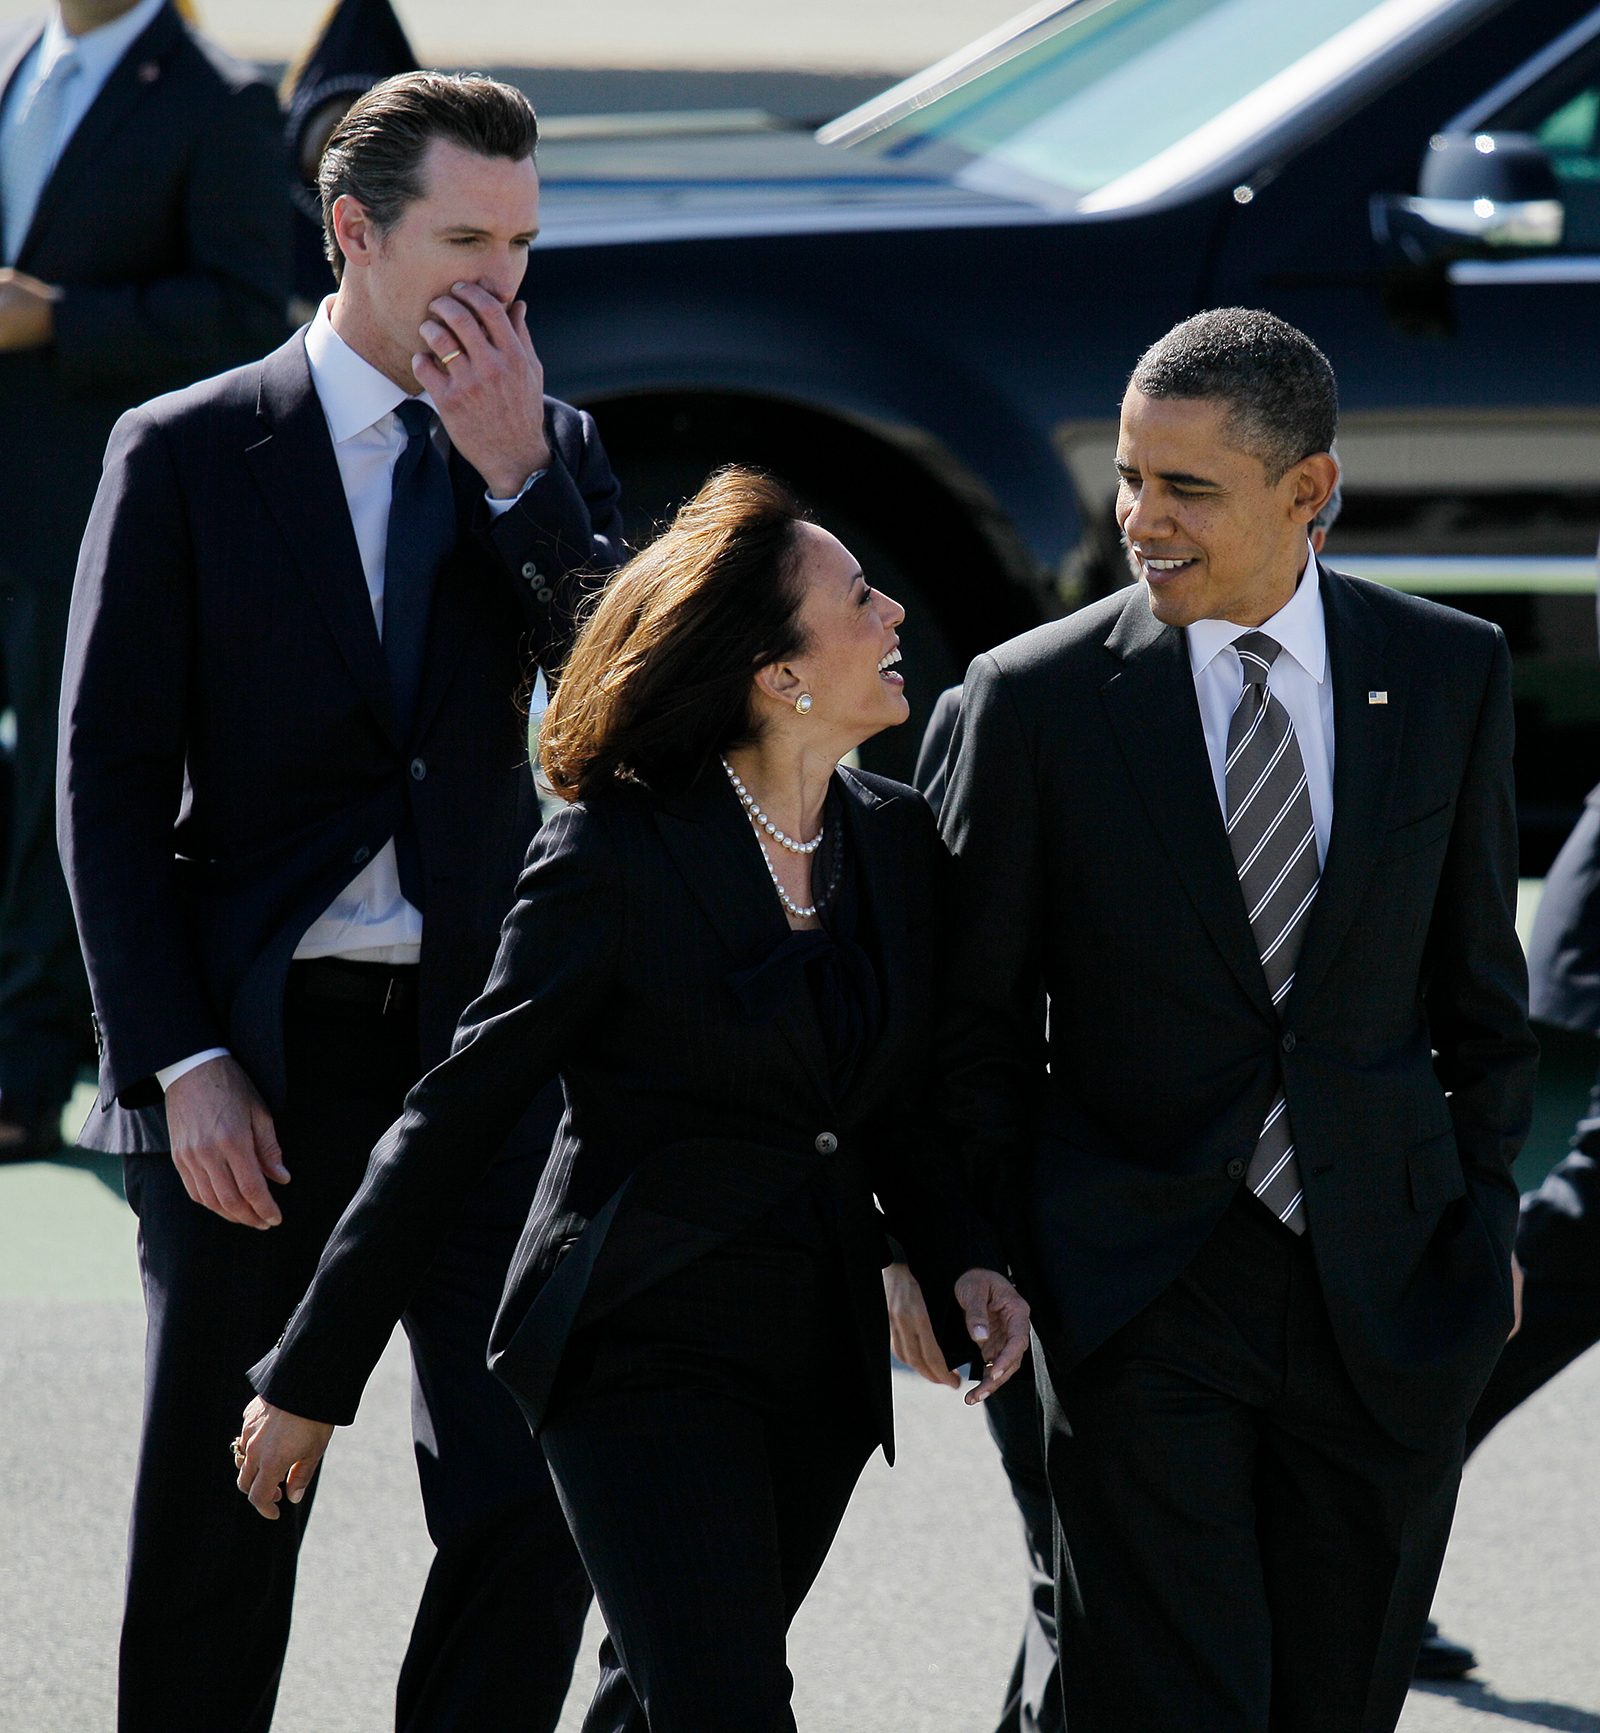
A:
x: 210, y: 1584
x: 715, y: 1415
x: 695, y: 1319
x: 1253, y: 1439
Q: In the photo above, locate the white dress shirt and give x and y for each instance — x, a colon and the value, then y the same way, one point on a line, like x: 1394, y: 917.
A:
x: 1299, y: 681
x: 370, y: 921
x: 99, y: 52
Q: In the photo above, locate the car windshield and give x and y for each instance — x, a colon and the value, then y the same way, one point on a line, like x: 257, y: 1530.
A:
x: 1104, y: 103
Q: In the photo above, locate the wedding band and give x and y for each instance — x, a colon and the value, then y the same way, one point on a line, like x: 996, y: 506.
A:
x: 237, y: 1447
x: 445, y: 360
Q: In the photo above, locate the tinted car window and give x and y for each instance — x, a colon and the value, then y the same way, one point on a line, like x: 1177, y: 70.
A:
x: 1563, y: 112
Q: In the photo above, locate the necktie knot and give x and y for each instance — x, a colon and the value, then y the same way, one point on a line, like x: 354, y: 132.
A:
x: 416, y: 418
x: 1256, y: 655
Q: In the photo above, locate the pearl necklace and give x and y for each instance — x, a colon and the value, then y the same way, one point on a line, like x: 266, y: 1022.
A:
x: 783, y: 896
x: 760, y: 820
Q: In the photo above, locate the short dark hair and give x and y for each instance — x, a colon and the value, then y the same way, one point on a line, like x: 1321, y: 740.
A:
x: 375, y: 154
x: 1283, y: 402
x: 659, y: 680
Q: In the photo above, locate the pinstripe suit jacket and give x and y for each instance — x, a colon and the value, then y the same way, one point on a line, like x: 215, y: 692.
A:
x: 685, y: 1120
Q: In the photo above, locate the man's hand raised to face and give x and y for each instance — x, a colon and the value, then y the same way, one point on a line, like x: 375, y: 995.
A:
x: 223, y: 1143
x: 487, y: 382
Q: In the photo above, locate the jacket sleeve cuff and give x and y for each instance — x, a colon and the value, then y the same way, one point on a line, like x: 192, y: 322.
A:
x: 169, y: 1074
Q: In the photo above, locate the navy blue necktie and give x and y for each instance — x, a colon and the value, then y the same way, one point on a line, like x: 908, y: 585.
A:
x: 422, y: 531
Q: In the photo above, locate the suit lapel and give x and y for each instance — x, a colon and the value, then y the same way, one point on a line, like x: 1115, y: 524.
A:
x: 298, y: 474
x: 129, y: 84
x: 715, y: 849
x: 1366, y: 754
x: 883, y: 886
x: 1153, y: 710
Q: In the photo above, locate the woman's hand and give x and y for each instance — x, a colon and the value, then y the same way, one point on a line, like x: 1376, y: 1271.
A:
x: 280, y: 1452
x: 997, y: 1320
x: 911, y: 1329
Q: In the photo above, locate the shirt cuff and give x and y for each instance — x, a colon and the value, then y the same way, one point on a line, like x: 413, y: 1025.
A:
x: 499, y: 507
x: 169, y: 1074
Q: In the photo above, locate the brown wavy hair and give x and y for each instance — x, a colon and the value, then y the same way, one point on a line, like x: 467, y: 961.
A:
x: 658, y: 682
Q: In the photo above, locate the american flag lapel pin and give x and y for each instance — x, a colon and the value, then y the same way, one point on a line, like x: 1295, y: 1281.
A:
x: 1377, y: 697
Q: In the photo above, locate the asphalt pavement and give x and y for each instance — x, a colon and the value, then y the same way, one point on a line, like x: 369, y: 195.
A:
x: 909, y: 1630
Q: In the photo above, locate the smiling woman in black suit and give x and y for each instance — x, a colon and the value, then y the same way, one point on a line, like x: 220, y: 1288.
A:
x: 725, y: 946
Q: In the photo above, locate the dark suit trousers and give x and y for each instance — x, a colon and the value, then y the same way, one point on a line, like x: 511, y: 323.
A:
x: 1033, y: 1694
x: 210, y: 1583
x: 45, y: 1028
x: 705, y: 1438
x: 1558, y: 1246
x: 1246, y: 1552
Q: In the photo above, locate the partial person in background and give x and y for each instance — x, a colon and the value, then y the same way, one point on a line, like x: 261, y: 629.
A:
x: 294, y: 800
x: 1558, y: 1234
x: 361, y: 44
x: 1033, y: 1694
x: 146, y: 243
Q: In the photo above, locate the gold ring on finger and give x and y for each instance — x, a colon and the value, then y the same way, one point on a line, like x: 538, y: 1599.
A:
x: 445, y: 360
x: 237, y: 1447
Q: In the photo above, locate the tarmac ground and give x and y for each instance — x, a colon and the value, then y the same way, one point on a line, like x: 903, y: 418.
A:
x: 910, y: 1629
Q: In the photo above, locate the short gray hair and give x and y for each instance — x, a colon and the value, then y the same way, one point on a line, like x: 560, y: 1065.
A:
x: 1283, y: 403
x: 375, y: 154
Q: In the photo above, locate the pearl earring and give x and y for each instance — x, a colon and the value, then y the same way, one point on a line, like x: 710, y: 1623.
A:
x: 803, y: 703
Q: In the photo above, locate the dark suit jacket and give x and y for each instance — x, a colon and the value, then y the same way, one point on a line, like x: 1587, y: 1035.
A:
x: 1092, y: 859
x: 686, y: 1119
x: 167, y: 224
x: 229, y: 755
x: 1564, y: 950
x: 932, y: 774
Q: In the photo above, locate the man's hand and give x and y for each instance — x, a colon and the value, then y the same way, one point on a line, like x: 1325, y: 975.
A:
x: 911, y: 1329
x: 27, y: 310
x: 281, y: 1453
x: 490, y: 393
x: 997, y: 1320
x: 224, y: 1145
x: 1516, y: 1296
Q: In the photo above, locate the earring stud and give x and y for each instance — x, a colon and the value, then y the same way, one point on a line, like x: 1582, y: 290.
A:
x: 803, y: 703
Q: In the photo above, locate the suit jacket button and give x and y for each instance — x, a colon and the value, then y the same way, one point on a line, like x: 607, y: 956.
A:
x: 419, y: 769
x: 530, y: 571
x: 361, y: 856
x: 827, y: 1143
x: 1235, y: 1168
x: 543, y: 593
x: 1287, y: 1043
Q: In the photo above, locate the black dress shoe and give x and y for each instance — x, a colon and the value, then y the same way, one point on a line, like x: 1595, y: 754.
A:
x: 1439, y: 1658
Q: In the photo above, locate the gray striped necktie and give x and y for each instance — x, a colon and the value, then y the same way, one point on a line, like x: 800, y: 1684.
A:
x: 1275, y: 849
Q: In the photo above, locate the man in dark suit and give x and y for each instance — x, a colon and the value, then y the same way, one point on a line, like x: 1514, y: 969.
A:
x: 1033, y: 1693
x: 146, y: 236
x: 1250, y: 826
x: 295, y: 798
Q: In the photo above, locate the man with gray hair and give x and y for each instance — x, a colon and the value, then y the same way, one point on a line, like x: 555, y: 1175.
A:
x: 1249, y: 825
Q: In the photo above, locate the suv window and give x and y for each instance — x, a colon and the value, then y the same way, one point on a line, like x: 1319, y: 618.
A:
x: 1562, y: 111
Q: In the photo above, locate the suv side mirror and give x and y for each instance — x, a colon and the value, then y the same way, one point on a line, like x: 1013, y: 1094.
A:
x: 1477, y: 193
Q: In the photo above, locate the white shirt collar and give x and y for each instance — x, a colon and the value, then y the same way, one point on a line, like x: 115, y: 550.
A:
x: 98, y: 50
x: 353, y: 393
x: 1298, y: 626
